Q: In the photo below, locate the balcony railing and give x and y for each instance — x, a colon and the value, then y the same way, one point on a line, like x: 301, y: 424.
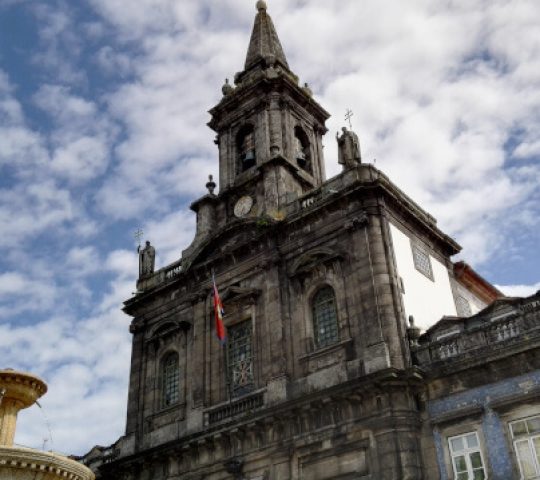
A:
x: 236, y: 407
x: 163, y: 275
x: 493, y: 333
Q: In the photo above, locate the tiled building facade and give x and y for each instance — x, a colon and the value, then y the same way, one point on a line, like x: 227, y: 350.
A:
x: 483, y: 388
x: 321, y: 376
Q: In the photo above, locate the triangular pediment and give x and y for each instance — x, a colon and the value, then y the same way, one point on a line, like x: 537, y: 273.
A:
x: 446, y: 325
x: 167, y: 327
x: 226, y: 240
x: 239, y: 295
x: 311, y: 259
x: 498, y: 308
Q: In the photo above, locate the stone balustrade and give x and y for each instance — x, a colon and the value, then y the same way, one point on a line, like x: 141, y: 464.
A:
x: 163, y: 275
x: 480, y: 333
x: 248, y: 403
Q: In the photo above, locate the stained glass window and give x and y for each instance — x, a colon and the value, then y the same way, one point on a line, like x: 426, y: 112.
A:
x: 170, y: 380
x: 325, y: 318
x: 240, y: 359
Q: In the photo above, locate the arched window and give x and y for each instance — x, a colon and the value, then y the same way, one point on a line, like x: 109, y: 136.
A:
x: 245, y: 144
x: 170, y: 378
x: 325, y: 324
x: 302, y: 152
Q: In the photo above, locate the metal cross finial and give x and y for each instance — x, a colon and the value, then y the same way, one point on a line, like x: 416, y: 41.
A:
x: 138, y: 235
x: 348, y: 116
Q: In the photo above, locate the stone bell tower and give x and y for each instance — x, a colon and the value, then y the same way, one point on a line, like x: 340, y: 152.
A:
x: 269, y: 129
x: 316, y: 379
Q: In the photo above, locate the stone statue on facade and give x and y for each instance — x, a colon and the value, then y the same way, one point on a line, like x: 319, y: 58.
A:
x: 147, y: 259
x: 348, y: 149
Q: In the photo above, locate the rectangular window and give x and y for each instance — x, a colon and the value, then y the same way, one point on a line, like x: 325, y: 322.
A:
x: 422, y: 262
x: 526, y: 435
x: 240, y: 359
x: 467, y: 461
x: 171, y: 380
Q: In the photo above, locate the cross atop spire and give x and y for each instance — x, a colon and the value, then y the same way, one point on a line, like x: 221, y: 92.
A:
x: 264, y: 43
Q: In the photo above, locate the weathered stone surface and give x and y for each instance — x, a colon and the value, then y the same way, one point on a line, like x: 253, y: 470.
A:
x: 354, y: 407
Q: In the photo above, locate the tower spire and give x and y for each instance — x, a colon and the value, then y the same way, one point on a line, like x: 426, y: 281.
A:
x: 264, y: 43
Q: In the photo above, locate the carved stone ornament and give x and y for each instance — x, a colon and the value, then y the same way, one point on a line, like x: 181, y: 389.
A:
x: 360, y: 221
x: 235, y: 466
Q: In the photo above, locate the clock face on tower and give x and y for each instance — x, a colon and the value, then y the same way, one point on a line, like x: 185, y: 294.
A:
x: 243, y: 206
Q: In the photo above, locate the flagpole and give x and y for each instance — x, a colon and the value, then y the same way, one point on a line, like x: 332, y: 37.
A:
x: 228, y: 372
x: 225, y: 350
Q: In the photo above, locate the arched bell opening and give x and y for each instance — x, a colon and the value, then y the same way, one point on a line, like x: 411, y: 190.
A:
x: 245, y: 145
x: 302, y: 150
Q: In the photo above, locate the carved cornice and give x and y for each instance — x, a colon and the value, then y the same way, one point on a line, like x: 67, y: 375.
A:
x: 36, y: 464
x: 345, y: 404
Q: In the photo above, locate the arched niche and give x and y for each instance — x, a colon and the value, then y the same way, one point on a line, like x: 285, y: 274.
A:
x: 245, y: 147
x: 302, y: 150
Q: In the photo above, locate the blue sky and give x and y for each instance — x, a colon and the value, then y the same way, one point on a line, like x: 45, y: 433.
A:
x: 103, y: 111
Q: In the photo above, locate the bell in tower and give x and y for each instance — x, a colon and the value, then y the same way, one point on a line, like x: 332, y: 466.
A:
x: 269, y: 129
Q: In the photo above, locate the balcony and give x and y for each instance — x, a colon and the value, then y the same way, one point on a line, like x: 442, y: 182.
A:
x: 246, y: 404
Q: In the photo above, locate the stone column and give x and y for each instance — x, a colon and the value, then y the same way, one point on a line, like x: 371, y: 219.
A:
x: 274, y: 120
x: 8, y: 421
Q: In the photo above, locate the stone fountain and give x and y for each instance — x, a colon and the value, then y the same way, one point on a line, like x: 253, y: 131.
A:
x: 18, y: 391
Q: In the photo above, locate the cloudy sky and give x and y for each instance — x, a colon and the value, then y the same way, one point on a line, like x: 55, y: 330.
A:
x: 103, y: 106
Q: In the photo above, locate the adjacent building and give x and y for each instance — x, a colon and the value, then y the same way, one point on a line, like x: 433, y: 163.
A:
x: 481, y: 403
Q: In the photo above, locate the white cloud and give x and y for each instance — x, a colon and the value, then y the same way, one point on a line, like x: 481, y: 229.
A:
x: 22, y: 294
x: 519, y: 290
x: 170, y: 235
x: 114, y: 62
x: 21, y: 149
x: 439, y: 91
x: 527, y: 149
x: 60, y: 43
x: 83, y: 260
x: 33, y: 209
x: 81, y: 160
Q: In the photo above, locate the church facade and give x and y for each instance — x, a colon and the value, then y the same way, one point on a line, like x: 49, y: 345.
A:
x: 323, y: 374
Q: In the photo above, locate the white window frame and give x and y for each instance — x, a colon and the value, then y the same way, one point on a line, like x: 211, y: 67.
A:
x: 466, y: 452
x: 529, y: 438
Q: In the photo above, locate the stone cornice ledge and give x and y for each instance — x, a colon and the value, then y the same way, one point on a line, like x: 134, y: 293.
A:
x: 51, y: 465
x: 325, y: 350
x: 509, y: 401
x: 468, y: 411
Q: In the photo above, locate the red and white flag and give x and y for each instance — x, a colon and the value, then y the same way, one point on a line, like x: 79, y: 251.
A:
x: 221, y: 332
